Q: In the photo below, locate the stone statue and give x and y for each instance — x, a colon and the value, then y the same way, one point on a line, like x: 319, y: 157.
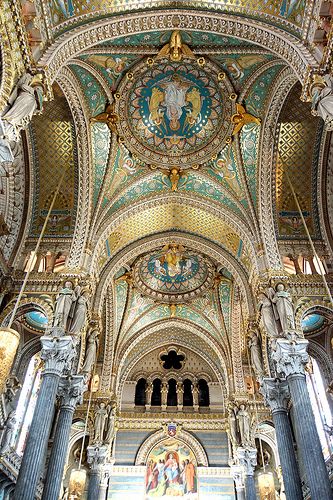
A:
x: 111, y: 428
x: 91, y: 351
x: 101, y: 416
x: 149, y: 391
x: 267, y: 314
x: 24, y: 101
x: 64, y: 301
x: 164, y: 393
x: 12, y: 386
x: 180, y: 393
x: 8, y: 432
x: 233, y: 425
x: 79, y: 312
x: 255, y: 352
x: 322, y: 98
x: 195, y: 394
x: 243, y: 419
x: 284, y: 308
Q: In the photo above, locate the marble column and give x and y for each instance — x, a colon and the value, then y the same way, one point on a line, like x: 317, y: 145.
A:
x: 277, y: 396
x: 290, y: 358
x: 104, y: 482
x: 70, y: 391
x: 237, y: 474
x: 96, y: 457
x: 57, y: 353
x: 247, y: 458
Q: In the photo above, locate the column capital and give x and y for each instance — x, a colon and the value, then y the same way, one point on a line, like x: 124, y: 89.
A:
x: 57, y: 352
x: 71, y: 391
x: 237, y: 475
x: 276, y: 393
x: 96, y: 457
x: 247, y: 458
x: 291, y: 357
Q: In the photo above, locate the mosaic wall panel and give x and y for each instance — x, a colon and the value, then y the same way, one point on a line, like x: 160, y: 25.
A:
x: 54, y: 150
x: 297, y: 152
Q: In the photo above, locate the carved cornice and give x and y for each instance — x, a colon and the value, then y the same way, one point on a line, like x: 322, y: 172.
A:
x: 286, y: 46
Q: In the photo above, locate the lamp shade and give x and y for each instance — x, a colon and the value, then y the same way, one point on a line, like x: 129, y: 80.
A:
x: 9, y: 341
x: 266, y: 486
x: 77, y: 483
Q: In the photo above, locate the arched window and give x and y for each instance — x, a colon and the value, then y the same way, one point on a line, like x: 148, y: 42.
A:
x: 320, y: 407
x: 27, y: 403
x: 203, y: 393
x: 188, y: 396
x: 172, y: 393
x: 140, y: 392
x: 156, y: 396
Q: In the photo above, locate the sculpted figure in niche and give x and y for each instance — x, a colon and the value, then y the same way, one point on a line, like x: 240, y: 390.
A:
x: 23, y: 102
x: 243, y: 419
x: 149, y: 392
x: 8, y: 432
x: 284, y: 309
x: 255, y: 352
x: 233, y: 425
x: 322, y: 98
x: 111, y: 427
x: 164, y: 393
x: 64, y: 301
x: 91, y: 351
x: 195, y: 394
x: 79, y: 312
x: 101, y: 416
x: 267, y: 314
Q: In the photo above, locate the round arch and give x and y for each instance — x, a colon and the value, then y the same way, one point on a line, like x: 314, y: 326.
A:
x: 278, y: 41
x: 160, y: 436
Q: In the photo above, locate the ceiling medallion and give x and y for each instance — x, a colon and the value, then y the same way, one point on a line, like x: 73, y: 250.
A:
x: 173, y: 274
x: 175, y: 112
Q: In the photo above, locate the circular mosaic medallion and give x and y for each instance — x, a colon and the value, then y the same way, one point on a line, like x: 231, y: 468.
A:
x: 175, y: 113
x: 173, y: 274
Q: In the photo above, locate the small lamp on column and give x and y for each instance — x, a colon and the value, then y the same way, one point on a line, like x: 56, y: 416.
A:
x: 9, y: 341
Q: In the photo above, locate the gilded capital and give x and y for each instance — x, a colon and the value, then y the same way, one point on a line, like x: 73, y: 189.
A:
x: 290, y: 357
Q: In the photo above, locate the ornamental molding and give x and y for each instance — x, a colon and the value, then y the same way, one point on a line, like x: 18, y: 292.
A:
x: 75, y: 99
x: 154, y: 421
x: 168, y: 331
x: 102, y: 217
x: 267, y: 169
x: 324, y: 360
x: 237, y: 342
x: 27, y: 304
x: 324, y: 189
x: 96, y: 74
x: 182, y: 436
x: 285, y: 45
x: 14, y: 180
x: 230, y: 218
x: 148, y: 244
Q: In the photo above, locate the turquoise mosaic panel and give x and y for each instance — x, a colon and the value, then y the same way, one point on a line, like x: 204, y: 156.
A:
x: 225, y: 301
x: 100, y: 138
x: 121, y: 296
x: 240, y: 67
x: 93, y: 92
x: 111, y: 66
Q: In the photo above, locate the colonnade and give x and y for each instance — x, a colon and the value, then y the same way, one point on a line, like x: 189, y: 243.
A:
x: 58, y: 352
x: 285, y: 391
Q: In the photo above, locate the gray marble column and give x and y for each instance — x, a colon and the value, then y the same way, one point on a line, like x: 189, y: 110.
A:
x: 96, y: 457
x: 277, y: 396
x: 247, y: 458
x: 291, y: 358
x: 57, y: 352
x: 70, y: 391
x: 237, y: 474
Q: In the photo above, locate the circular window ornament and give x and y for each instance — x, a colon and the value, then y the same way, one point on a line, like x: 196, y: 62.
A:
x: 175, y: 113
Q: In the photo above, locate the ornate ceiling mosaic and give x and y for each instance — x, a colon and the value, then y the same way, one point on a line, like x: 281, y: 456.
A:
x: 175, y: 112
x: 173, y: 274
